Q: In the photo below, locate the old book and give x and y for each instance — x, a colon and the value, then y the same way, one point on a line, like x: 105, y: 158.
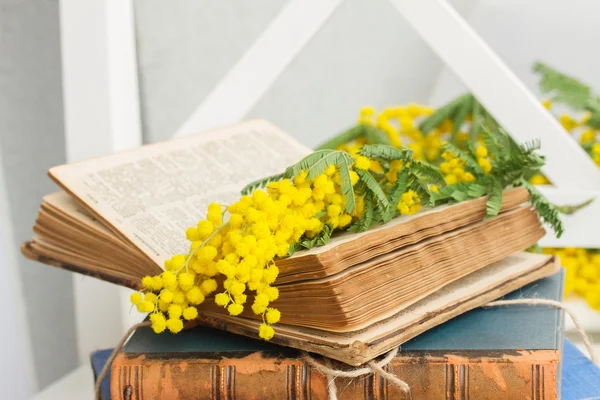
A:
x: 496, y: 353
x: 120, y: 216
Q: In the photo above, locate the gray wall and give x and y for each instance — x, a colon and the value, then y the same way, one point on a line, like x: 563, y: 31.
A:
x: 184, y: 48
x: 31, y: 141
x: 366, y: 53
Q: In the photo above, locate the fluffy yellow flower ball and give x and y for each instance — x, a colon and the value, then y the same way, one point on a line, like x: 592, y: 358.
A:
x: 159, y: 322
x: 273, y: 315
x: 362, y: 162
x: 266, y: 332
x: 174, y: 325
x: 190, y: 313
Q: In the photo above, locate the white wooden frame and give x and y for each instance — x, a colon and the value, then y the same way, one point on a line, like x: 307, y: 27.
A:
x: 102, y: 115
x: 101, y: 95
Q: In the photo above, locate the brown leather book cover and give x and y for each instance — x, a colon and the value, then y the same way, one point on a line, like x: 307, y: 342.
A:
x: 431, y: 375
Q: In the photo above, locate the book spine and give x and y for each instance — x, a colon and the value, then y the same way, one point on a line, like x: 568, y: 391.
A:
x: 527, y: 375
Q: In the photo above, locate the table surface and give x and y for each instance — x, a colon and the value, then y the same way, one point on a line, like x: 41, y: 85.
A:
x: 77, y: 385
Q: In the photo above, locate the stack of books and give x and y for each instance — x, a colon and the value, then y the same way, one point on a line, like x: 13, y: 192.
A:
x: 120, y: 216
x: 488, y: 353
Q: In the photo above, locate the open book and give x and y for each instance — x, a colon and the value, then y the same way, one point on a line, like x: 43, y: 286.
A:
x: 121, y: 216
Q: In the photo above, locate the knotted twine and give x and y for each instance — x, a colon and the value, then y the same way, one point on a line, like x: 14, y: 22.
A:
x: 377, y: 367
x: 372, y: 367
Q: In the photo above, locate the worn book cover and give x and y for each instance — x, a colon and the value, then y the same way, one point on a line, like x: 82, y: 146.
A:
x: 487, y: 353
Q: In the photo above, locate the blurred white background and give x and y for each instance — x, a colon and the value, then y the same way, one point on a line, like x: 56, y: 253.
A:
x: 174, y: 54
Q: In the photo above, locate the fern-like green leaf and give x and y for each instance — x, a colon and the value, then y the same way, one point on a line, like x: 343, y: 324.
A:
x: 260, y: 183
x: 316, y: 163
x: 346, y: 136
x: 395, y: 194
x: 570, y: 209
x: 494, y: 202
x: 375, y: 135
x: 443, y: 113
x: 545, y: 209
x: 530, y: 146
x: 516, y: 163
x: 384, y: 152
x: 427, y: 171
x: 594, y: 120
x: 459, y: 192
x: 294, y: 247
x: 471, y: 150
x: 458, y: 119
x: 366, y: 220
x: 474, y: 190
x: 375, y: 189
x: 371, y: 134
x: 319, y: 240
x: 490, y: 140
x: 562, y: 87
x: 346, y: 183
x: 459, y: 195
x: 476, y: 122
x: 421, y: 189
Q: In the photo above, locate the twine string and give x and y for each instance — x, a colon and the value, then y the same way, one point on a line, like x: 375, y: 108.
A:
x: 557, y: 304
x: 372, y: 367
x: 113, y: 355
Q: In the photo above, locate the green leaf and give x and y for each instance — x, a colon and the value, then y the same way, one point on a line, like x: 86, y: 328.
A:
x: 459, y: 192
x: 494, y: 202
x: 384, y: 152
x: 366, y: 220
x: 571, y: 209
x: 562, y: 87
x: 459, y: 195
x: 545, y: 209
x: 375, y: 135
x: 530, y: 146
x: 316, y: 163
x: 319, y: 240
x: 421, y: 189
x: 520, y: 161
x: 346, y: 184
x: 372, y: 135
x: 476, y: 122
x: 260, y: 183
x: 461, y: 114
x: 471, y: 150
x: 294, y: 247
x: 395, y: 194
x: 594, y: 120
x: 377, y: 216
x: 443, y: 113
x: 427, y: 171
x: 475, y: 190
x: 375, y: 189
x: 490, y: 140
x: 444, y: 194
x: 346, y: 136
